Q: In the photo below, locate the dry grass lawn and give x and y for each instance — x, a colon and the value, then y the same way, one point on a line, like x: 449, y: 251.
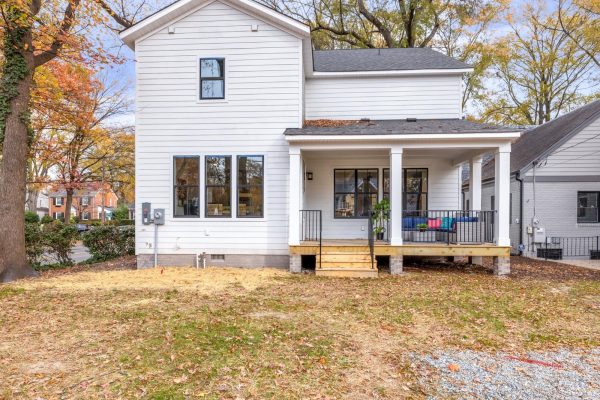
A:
x: 238, y: 333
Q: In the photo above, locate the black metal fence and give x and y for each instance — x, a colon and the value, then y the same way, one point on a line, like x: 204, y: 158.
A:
x: 311, y: 228
x: 557, y: 248
x: 448, y: 226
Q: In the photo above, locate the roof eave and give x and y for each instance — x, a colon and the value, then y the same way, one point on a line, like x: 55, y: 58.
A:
x: 409, y: 72
x: 298, y: 137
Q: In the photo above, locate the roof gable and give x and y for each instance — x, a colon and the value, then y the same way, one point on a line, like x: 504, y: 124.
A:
x: 182, y: 8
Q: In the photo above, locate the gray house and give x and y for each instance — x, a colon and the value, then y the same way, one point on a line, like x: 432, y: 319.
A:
x: 555, y: 187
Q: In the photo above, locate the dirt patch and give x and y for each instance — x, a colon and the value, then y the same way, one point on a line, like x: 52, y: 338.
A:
x: 207, y: 280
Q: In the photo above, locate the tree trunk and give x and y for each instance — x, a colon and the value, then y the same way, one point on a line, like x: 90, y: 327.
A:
x: 68, y: 204
x: 32, y: 199
x: 16, y: 82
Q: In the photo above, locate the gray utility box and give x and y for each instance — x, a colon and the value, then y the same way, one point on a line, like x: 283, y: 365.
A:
x: 159, y: 216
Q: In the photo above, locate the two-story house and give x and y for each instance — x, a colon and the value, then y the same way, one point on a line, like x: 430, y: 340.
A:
x: 264, y: 152
x: 88, y: 202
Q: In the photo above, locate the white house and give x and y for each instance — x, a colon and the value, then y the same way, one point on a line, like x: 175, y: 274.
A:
x: 555, y: 187
x: 264, y: 152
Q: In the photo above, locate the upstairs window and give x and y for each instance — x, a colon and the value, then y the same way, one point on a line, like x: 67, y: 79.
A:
x: 212, y: 78
x: 587, y: 207
x: 85, y: 201
x: 58, y: 201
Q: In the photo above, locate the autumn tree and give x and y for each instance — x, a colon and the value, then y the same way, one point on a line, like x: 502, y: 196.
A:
x: 34, y: 32
x: 580, y: 21
x: 539, y: 72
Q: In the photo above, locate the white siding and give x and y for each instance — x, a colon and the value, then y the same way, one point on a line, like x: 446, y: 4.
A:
x: 423, y: 97
x: 319, y: 193
x: 580, y: 155
x: 263, y: 97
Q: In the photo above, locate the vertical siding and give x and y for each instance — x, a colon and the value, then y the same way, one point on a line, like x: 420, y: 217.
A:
x: 319, y: 193
x: 423, y: 97
x: 263, y: 78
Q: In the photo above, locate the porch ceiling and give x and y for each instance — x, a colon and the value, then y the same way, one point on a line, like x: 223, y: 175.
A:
x: 452, y: 155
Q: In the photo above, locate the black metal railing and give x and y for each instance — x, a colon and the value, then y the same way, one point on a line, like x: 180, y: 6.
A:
x: 448, y: 226
x: 556, y: 248
x: 311, y: 228
x: 379, y: 230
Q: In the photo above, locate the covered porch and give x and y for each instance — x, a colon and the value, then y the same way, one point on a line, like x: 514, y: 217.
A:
x: 356, y: 197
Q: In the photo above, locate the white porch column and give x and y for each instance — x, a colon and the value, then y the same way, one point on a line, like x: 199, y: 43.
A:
x: 396, y: 195
x: 475, y: 183
x: 502, y: 196
x: 294, y: 196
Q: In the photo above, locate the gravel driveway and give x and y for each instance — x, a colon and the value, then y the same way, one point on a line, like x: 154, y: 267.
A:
x: 469, y: 374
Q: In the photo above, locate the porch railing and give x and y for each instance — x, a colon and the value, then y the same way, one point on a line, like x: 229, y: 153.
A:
x: 556, y: 248
x: 448, y: 226
x: 379, y: 230
x: 311, y: 228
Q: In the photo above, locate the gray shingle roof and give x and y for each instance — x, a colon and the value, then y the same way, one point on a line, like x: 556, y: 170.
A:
x: 403, y: 59
x: 541, y: 140
x: 401, y: 127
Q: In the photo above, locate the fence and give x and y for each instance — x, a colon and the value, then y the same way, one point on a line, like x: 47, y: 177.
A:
x: 557, y: 248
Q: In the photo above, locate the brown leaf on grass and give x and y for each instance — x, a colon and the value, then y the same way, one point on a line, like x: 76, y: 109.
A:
x: 453, y: 367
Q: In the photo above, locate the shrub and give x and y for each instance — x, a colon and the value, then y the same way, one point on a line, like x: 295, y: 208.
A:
x: 46, y: 219
x: 121, y: 213
x: 108, y: 242
x: 59, y: 240
x: 34, y: 243
x: 121, y: 222
x: 31, y: 217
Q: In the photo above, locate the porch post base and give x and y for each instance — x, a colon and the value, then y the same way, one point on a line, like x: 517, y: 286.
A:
x: 501, y: 266
x: 396, y: 265
x: 295, y: 263
x: 476, y: 260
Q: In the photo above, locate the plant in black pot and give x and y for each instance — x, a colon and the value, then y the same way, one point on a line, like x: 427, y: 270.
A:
x: 422, y: 227
x: 380, y: 216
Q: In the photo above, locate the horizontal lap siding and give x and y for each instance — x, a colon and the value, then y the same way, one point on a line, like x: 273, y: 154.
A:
x: 262, y: 99
x: 319, y: 194
x: 423, y: 97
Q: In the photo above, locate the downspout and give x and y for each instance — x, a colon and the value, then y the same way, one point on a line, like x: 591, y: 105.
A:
x: 521, y: 205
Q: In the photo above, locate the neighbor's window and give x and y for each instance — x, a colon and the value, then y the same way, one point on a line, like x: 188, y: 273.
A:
x: 60, y: 216
x: 587, y: 207
x: 250, y: 186
x: 218, y: 186
x: 355, y: 192
x: 85, y: 215
x: 186, y: 190
x: 212, y: 78
x: 58, y: 201
x: 415, y: 189
x: 85, y: 201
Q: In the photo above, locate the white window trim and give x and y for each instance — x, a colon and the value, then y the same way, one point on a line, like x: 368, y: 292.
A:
x: 234, y: 218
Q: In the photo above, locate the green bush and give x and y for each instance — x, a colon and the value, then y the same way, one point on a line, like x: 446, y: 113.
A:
x: 108, y: 242
x: 31, y: 217
x: 59, y: 239
x: 121, y: 213
x: 121, y: 222
x: 46, y: 219
x: 34, y: 242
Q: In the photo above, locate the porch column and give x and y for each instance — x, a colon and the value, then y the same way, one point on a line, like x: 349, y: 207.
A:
x: 475, y: 183
x: 502, y: 196
x: 396, y: 195
x: 294, y: 196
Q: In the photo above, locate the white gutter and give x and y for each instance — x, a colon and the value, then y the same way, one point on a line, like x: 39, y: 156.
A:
x: 318, y: 75
x: 420, y: 137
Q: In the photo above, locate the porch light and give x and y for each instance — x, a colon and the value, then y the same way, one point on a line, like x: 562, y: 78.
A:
x: 309, y: 176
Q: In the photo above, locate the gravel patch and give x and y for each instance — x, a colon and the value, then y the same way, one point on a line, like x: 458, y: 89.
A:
x: 552, y: 375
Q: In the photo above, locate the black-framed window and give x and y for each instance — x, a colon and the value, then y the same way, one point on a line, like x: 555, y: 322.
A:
x: 355, y: 192
x: 186, y: 186
x: 250, y: 186
x: 212, y: 78
x: 415, y: 188
x: 85, y: 201
x: 85, y: 215
x: 587, y: 207
x: 59, y: 216
x: 58, y: 201
x: 218, y: 186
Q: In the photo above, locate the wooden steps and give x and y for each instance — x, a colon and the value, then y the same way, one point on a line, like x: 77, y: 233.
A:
x: 345, y: 261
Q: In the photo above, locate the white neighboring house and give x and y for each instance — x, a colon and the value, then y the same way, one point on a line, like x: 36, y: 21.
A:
x: 42, y: 207
x: 555, y: 187
x: 264, y: 152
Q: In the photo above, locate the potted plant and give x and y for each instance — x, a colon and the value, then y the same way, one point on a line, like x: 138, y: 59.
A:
x: 422, y: 227
x: 422, y: 235
x: 380, y: 216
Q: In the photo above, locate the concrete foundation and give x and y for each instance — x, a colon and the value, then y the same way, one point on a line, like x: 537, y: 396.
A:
x: 476, y: 260
x: 460, y: 259
x: 396, y: 265
x: 295, y: 263
x: 229, y: 260
x: 501, y: 266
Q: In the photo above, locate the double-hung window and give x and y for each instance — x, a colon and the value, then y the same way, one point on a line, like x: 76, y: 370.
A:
x: 85, y: 200
x: 212, y: 78
x: 250, y: 186
x: 355, y: 192
x: 587, y: 207
x: 186, y: 188
x: 58, y: 201
x: 218, y: 186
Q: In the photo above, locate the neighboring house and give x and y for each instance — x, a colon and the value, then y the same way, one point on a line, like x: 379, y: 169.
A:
x: 87, y: 202
x: 264, y: 152
x: 42, y: 207
x: 555, y: 186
